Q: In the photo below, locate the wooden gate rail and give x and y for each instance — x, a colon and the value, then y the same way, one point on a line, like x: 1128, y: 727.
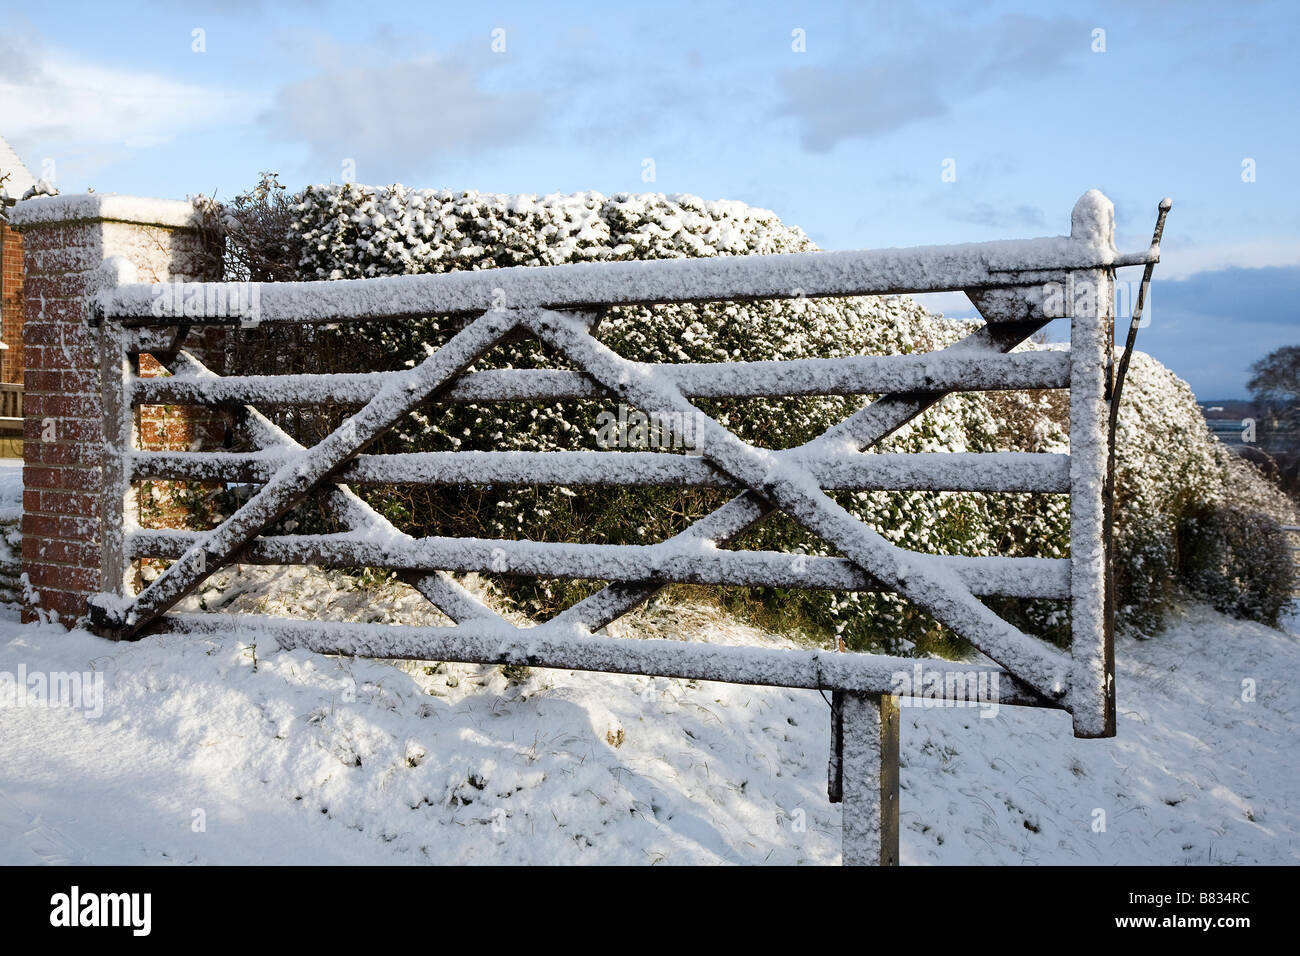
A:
x: 856, y: 375
x: 497, y: 642
x: 583, y: 286
x: 679, y: 562
x: 886, y: 471
x: 1017, y: 286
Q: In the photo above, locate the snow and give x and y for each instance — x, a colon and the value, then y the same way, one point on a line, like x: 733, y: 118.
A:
x: 77, y: 207
x: 1093, y: 220
x: 198, y: 713
x: 303, y: 758
x: 11, y: 489
x: 11, y: 538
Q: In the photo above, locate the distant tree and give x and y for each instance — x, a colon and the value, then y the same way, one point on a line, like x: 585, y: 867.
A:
x: 1275, y: 385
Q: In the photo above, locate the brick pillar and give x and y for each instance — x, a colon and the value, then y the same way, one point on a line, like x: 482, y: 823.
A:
x: 66, y: 240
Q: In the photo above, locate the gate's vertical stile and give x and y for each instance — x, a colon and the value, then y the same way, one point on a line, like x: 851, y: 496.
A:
x: 118, y: 371
x: 869, y: 773
x: 1090, y: 305
x: 1106, y: 651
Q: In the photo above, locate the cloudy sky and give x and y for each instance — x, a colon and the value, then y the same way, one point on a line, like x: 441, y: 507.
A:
x: 842, y: 117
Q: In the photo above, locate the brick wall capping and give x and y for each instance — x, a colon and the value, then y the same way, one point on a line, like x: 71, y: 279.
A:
x: 102, y: 207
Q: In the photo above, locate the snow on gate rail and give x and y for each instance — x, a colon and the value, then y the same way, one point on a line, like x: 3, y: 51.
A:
x: 1017, y: 286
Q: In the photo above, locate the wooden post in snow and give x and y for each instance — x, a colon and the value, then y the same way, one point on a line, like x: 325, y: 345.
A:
x: 869, y: 769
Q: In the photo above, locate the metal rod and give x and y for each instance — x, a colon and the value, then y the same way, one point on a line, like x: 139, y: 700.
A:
x: 1163, y: 210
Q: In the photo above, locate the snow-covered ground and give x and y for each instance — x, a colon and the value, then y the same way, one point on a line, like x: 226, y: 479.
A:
x: 211, y: 750
x: 11, y: 489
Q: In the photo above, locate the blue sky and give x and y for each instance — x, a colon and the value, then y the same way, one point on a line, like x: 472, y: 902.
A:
x: 846, y: 139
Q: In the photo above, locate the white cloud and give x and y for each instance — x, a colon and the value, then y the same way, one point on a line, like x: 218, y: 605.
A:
x: 929, y: 66
x: 392, y: 117
x: 54, y: 103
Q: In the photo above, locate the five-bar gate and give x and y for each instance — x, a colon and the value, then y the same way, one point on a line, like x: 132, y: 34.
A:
x: 1017, y: 286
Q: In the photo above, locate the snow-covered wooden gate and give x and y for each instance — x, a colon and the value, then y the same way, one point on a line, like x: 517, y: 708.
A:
x: 1017, y: 286
x: 1293, y: 534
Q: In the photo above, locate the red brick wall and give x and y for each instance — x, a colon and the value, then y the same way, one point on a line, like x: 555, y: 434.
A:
x: 11, y: 304
x: 62, y: 435
x: 186, y: 505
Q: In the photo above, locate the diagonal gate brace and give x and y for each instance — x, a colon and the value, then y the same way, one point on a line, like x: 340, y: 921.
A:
x: 296, y: 479
x: 790, y: 487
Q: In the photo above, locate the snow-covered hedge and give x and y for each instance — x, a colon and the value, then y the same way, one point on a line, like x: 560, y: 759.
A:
x: 1236, y: 556
x: 1184, y: 506
x: 1170, y: 467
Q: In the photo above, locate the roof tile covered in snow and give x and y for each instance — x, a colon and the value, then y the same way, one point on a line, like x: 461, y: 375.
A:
x: 20, y: 178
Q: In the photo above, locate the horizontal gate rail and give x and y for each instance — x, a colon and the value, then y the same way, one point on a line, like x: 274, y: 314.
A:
x: 1017, y: 288
x: 948, y: 471
x: 679, y: 563
x: 985, y: 265
x: 857, y: 375
x: 500, y: 643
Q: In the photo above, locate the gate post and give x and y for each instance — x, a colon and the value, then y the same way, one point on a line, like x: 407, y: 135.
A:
x: 869, y: 776
x: 1091, y: 309
x: 66, y: 240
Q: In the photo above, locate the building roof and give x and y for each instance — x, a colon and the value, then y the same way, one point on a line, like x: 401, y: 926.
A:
x: 20, y: 179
